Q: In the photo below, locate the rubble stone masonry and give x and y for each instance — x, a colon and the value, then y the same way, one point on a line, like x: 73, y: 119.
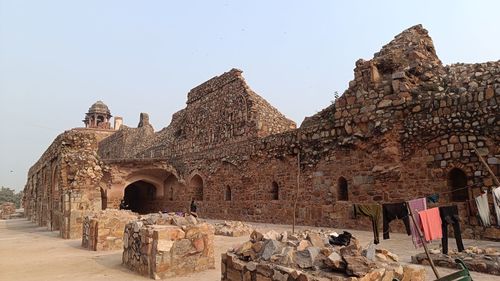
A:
x: 162, y: 246
x: 406, y: 127
x: 103, y: 231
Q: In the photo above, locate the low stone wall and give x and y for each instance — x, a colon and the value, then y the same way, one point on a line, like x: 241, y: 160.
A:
x: 103, y: 231
x: 476, y: 259
x: 6, y: 210
x: 312, y: 256
x: 164, y: 245
x: 234, y: 269
x: 233, y: 228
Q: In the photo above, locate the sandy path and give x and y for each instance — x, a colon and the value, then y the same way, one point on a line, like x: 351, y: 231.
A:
x: 28, y: 252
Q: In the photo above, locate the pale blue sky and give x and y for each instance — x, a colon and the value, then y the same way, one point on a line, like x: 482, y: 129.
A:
x: 58, y: 57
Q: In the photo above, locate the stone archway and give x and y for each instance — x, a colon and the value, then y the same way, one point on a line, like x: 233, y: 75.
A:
x: 196, y: 186
x: 139, y: 196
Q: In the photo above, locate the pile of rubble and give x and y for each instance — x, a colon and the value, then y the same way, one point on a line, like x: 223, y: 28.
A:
x: 476, y: 259
x: 233, y: 228
x: 104, y: 230
x: 7, y: 209
x: 165, y: 245
x: 312, y: 256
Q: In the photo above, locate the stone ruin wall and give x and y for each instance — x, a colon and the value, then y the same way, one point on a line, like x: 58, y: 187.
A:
x: 127, y: 141
x: 161, y: 247
x: 7, y: 209
x: 103, y: 231
x: 404, y: 122
x: 221, y: 111
x: 64, y: 183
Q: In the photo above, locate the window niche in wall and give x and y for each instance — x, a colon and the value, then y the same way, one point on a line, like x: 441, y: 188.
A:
x: 275, y: 191
x: 342, y: 190
x: 457, y: 183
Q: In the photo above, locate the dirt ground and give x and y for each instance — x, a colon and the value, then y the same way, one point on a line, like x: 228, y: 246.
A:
x: 29, y: 252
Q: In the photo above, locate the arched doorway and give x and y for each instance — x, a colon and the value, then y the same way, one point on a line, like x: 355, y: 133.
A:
x: 227, y: 194
x: 104, y: 199
x: 196, y: 184
x: 457, y: 182
x: 342, y: 190
x: 138, y: 196
x: 169, y: 187
x: 275, y: 191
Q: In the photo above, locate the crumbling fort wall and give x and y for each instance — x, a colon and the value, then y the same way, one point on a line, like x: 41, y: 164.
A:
x: 65, y: 183
x: 406, y: 127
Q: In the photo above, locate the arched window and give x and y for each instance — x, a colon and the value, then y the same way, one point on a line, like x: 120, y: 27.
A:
x: 104, y: 199
x: 342, y: 190
x: 196, y: 185
x: 227, y: 194
x: 457, y: 182
x: 170, y: 188
x: 275, y: 191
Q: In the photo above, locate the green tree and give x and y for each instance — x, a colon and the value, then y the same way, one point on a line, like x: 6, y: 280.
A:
x: 10, y: 195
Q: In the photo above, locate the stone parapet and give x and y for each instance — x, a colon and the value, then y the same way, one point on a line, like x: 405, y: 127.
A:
x: 103, y: 231
x: 167, y: 246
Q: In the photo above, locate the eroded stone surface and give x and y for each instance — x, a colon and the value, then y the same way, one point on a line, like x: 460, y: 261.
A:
x: 281, y: 260
x: 104, y: 230
x: 160, y: 246
x: 476, y: 259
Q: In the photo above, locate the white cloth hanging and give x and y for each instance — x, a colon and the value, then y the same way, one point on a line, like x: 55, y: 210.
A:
x: 496, y: 202
x: 483, y: 209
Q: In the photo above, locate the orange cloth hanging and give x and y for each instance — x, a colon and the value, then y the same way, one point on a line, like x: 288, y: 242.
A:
x: 431, y: 224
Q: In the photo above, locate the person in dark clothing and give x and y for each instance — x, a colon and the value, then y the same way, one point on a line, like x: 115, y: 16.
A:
x: 123, y: 205
x: 193, y: 206
x: 393, y: 211
x: 449, y: 215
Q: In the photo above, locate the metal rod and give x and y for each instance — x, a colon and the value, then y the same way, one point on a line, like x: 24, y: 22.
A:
x: 423, y: 242
x: 296, y: 192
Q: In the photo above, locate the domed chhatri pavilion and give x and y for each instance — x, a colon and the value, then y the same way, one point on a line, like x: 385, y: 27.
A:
x: 98, y: 116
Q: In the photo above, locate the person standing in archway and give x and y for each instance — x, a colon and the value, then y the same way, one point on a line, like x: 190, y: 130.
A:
x: 193, y: 207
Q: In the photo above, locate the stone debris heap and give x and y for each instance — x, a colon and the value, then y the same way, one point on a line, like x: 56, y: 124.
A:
x: 233, y: 228
x: 7, y: 209
x: 103, y: 230
x: 309, y: 256
x: 165, y: 245
x: 476, y: 259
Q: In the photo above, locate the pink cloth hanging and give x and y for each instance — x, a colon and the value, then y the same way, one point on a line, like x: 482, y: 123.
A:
x: 415, y: 207
x: 431, y: 224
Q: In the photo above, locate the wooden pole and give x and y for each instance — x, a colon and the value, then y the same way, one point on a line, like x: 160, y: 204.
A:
x: 423, y: 242
x: 495, y: 179
x: 296, y: 193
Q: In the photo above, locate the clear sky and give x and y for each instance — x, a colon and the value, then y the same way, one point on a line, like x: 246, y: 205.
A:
x: 59, y: 57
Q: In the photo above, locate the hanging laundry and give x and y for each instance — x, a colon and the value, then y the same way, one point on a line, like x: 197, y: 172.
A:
x: 416, y: 206
x: 394, y: 211
x: 496, y: 202
x: 449, y: 215
x: 374, y: 212
x: 484, y: 209
x: 431, y: 224
x: 434, y: 198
